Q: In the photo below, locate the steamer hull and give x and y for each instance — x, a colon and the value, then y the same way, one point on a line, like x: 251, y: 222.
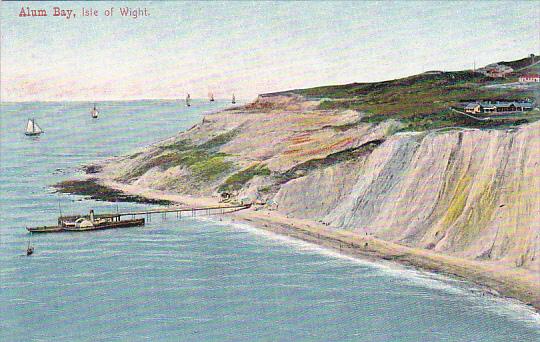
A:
x: 99, y: 226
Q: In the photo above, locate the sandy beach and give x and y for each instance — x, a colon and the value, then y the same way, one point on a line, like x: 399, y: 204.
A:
x: 494, y: 278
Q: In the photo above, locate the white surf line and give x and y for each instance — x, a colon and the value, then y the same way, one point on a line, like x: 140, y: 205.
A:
x: 508, y: 307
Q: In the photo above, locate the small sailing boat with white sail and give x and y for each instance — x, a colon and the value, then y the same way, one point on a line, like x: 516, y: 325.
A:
x: 94, y: 112
x: 211, y: 96
x: 32, y: 128
x: 188, y: 100
x: 233, y: 99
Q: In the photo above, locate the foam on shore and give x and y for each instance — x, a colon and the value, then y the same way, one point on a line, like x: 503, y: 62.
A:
x: 484, y: 297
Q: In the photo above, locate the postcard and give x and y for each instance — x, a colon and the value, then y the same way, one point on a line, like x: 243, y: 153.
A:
x: 270, y: 171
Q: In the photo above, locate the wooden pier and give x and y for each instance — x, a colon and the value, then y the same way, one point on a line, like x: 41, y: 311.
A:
x: 179, y: 212
x: 93, y: 221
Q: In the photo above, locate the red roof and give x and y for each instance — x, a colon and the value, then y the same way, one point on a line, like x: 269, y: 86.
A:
x: 531, y: 76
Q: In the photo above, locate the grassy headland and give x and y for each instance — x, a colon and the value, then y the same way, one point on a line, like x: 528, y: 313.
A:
x: 422, y: 101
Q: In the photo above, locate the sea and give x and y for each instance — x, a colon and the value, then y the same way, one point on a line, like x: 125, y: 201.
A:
x: 195, y: 279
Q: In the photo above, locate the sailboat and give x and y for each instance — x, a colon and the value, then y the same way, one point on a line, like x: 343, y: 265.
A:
x: 211, y: 96
x: 94, y: 112
x: 233, y: 99
x: 29, y: 249
x: 32, y: 128
x: 188, y: 100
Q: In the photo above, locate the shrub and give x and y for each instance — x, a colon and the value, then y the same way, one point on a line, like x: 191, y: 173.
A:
x: 239, y: 179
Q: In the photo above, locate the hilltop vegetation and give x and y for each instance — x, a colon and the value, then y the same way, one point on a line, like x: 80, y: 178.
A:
x: 421, y: 101
x: 520, y: 63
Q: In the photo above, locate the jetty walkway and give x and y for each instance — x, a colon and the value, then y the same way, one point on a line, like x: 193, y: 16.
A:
x: 178, y: 211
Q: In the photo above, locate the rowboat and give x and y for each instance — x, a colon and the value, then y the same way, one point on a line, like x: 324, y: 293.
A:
x: 30, y: 248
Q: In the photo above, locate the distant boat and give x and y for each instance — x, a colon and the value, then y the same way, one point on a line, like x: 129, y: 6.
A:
x: 94, y: 112
x: 211, y: 96
x: 233, y: 99
x: 29, y: 249
x: 32, y: 128
x: 188, y: 100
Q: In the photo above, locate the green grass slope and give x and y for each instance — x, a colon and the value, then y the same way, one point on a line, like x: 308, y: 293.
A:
x: 422, y: 101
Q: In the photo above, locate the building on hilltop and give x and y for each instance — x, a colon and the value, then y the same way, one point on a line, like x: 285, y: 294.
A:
x: 473, y: 108
x: 490, y: 106
x: 531, y: 78
x: 496, y: 70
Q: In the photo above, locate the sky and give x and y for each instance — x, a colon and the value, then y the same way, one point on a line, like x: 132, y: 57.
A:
x: 248, y: 48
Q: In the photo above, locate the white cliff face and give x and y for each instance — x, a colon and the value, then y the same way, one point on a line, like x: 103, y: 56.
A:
x: 474, y: 194
x: 319, y: 193
x: 374, y: 192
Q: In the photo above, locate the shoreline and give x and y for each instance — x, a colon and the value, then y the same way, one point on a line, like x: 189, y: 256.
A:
x: 496, y: 279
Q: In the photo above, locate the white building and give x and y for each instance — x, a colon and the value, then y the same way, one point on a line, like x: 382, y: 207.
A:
x: 529, y: 78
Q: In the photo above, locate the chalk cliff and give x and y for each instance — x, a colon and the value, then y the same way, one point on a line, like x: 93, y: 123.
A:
x: 475, y: 194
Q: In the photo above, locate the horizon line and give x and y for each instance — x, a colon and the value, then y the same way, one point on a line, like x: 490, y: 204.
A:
x: 125, y: 100
x: 275, y: 91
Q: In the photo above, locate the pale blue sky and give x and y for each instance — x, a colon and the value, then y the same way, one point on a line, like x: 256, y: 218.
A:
x: 250, y: 47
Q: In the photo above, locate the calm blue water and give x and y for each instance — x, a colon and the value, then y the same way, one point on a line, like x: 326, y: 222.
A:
x: 195, y: 279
